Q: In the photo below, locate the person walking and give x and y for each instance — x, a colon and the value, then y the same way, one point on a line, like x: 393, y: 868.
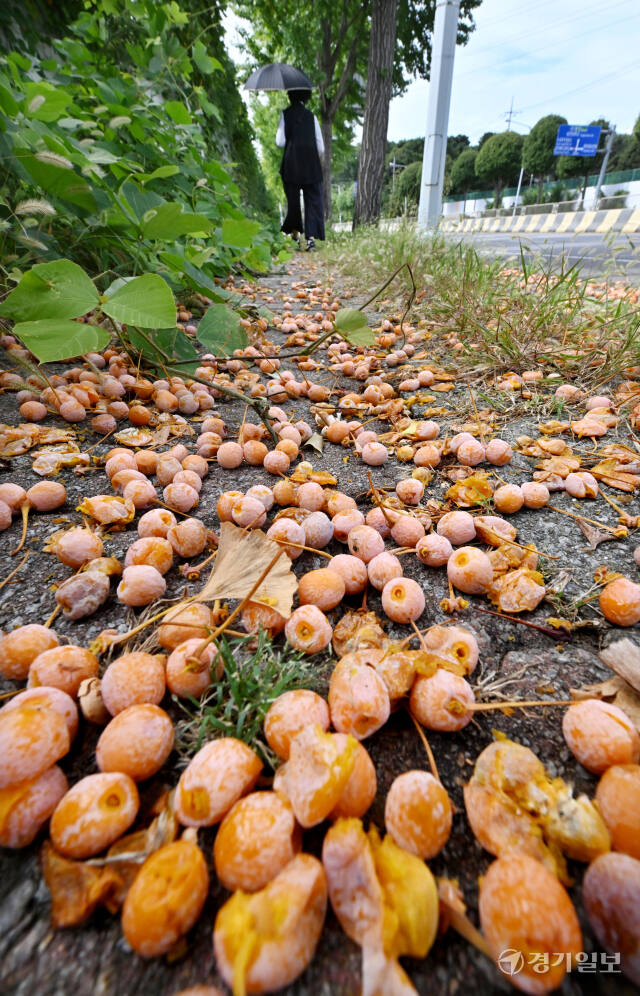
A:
x: 301, y: 169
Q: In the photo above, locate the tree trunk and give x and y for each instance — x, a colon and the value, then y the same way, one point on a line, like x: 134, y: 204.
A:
x: 540, y: 182
x: 327, y: 138
x: 376, y: 112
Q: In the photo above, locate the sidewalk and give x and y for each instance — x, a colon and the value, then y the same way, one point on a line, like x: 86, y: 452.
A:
x: 618, y: 219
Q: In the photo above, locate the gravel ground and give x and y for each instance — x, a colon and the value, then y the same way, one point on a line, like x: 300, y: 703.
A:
x: 94, y: 959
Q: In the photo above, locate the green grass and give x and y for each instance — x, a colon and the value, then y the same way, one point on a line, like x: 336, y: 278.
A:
x: 522, y: 318
x: 237, y: 703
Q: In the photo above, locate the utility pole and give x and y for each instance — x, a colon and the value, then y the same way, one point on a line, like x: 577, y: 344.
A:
x: 603, y: 168
x: 509, y: 115
x: 435, y: 146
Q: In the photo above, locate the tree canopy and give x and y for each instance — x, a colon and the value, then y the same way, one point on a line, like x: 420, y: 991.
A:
x: 463, y: 171
x: 537, y: 150
x: 499, y: 160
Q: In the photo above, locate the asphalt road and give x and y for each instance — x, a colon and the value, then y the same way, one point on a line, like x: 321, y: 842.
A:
x: 614, y: 255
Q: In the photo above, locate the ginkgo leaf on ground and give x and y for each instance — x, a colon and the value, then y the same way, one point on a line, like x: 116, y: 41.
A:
x: 242, y: 557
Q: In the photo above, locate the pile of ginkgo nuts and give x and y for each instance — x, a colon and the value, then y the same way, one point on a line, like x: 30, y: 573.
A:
x: 154, y: 875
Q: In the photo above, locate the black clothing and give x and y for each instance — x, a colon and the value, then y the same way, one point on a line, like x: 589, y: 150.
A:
x: 300, y: 160
x: 301, y: 169
x: 313, y: 210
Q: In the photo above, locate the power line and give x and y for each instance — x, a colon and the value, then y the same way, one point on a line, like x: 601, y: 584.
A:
x: 538, y: 51
x: 595, y: 9
x: 486, y: 125
x: 517, y: 13
x: 600, y: 79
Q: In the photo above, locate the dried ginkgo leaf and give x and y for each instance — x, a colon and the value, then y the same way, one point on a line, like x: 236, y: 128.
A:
x: 616, y: 475
x: 76, y: 887
x: 242, y: 557
x: 623, y: 657
x: 594, y: 535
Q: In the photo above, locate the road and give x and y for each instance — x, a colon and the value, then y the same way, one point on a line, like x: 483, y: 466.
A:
x: 614, y: 255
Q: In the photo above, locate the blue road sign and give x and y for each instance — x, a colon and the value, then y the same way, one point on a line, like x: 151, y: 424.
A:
x: 577, y: 140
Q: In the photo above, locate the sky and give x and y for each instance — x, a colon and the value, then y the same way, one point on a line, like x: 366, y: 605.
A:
x: 577, y: 58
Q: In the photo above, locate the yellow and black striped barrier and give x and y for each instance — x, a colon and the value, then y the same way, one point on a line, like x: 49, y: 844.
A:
x: 572, y: 222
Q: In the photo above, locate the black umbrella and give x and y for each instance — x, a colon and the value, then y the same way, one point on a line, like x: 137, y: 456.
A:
x: 278, y: 76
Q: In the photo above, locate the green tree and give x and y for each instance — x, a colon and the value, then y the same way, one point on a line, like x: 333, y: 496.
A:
x: 333, y: 37
x: 498, y: 161
x: 406, y: 193
x: 463, y: 173
x: 537, y: 151
x: 625, y: 153
x: 636, y: 129
x: 456, y: 144
x: 485, y: 138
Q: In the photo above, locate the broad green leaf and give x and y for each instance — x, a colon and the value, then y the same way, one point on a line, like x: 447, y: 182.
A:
x: 239, y: 233
x: 196, y: 277
x: 51, y: 290
x: 139, y: 201
x: 258, y: 258
x: 158, y: 174
x: 205, y: 62
x: 45, y: 102
x: 146, y: 301
x: 53, y: 339
x: 7, y: 102
x: 348, y: 319
x: 352, y: 324
x: 60, y: 182
x: 363, y: 336
x: 172, y: 343
x: 168, y: 222
x: 220, y: 330
x: 284, y: 256
x: 178, y: 112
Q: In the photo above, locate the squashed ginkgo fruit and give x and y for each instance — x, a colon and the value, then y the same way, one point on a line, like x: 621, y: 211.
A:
x: 265, y: 940
x: 166, y: 898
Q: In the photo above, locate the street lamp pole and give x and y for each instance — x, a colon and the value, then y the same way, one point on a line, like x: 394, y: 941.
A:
x: 445, y: 31
x: 605, y: 162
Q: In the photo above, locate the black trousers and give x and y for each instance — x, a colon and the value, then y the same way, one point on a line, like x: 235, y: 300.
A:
x: 313, y: 209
